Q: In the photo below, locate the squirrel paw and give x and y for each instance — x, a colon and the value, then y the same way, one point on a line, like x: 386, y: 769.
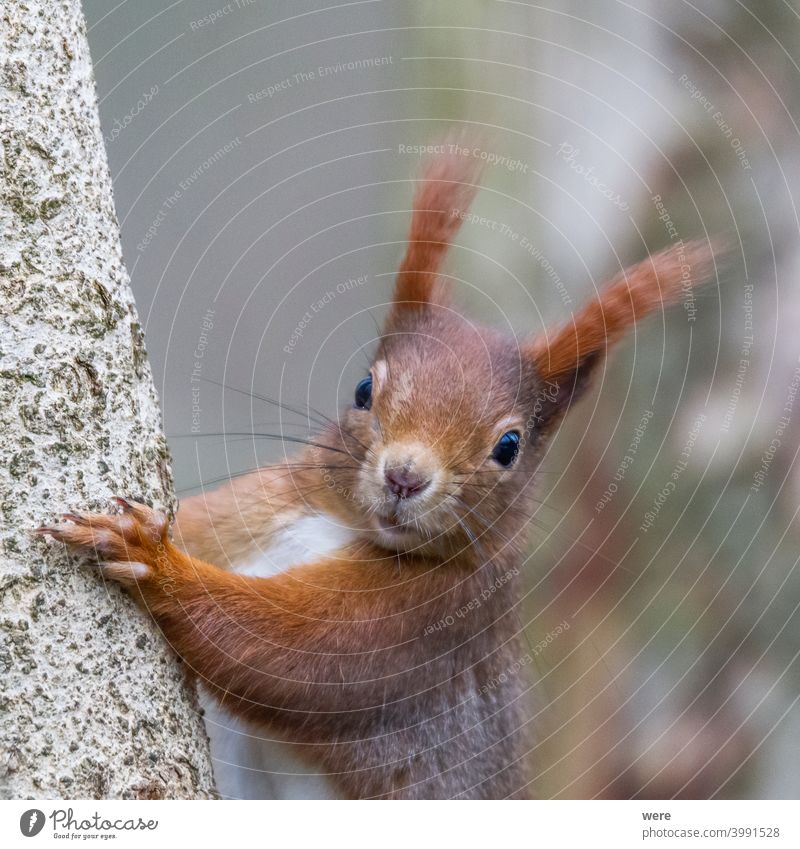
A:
x: 129, y: 546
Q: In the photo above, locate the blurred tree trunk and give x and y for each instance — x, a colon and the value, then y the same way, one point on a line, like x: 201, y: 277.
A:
x: 92, y: 703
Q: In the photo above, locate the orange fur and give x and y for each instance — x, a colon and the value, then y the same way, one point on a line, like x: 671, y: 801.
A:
x: 657, y: 282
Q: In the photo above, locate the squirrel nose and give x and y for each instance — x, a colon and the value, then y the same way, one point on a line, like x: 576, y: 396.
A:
x: 403, y: 482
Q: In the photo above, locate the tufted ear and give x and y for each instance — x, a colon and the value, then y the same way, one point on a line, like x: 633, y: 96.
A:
x: 566, y: 358
x: 445, y: 190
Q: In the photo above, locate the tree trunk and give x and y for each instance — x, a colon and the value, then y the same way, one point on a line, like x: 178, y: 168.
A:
x: 92, y: 703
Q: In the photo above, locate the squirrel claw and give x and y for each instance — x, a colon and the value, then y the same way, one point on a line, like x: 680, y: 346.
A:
x: 76, y: 518
x: 127, y: 545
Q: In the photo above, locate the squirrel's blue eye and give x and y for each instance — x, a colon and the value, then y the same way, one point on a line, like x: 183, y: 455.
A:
x: 364, y: 393
x: 506, y: 449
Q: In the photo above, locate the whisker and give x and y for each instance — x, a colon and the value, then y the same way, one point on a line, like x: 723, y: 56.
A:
x: 233, y: 441
x: 266, y: 399
x: 472, y: 538
x: 290, y: 467
x: 302, y: 495
x: 258, y: 435
x: 509, y: 508
x: 323, y: 420
x: 489, y: 527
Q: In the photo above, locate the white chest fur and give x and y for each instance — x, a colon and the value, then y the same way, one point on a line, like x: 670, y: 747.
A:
x: 303, y: 540
x: 248, y: 762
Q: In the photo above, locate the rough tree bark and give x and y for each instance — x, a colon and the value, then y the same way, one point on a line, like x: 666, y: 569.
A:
x: 92, y: 704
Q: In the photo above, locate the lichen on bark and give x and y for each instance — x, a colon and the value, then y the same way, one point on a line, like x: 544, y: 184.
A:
x: 92, y: 702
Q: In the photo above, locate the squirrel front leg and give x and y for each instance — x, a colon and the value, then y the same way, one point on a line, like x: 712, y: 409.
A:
x: 264, y: 645
x: 228, y: 524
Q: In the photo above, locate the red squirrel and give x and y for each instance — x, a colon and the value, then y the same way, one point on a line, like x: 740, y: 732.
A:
x: 383, y: 654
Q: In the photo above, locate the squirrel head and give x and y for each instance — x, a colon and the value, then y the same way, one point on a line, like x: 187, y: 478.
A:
x: 447, y: 428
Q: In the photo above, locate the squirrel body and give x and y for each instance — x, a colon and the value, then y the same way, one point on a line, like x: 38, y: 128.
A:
x: 362, y: 602
x: 412, y: 723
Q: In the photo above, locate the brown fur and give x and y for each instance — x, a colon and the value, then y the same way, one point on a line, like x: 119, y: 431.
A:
x: 658, y: 281
x: 388, y: 662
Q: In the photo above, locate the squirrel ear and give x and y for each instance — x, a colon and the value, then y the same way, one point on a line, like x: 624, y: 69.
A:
x: 567, y: 357
x: 446, y: 187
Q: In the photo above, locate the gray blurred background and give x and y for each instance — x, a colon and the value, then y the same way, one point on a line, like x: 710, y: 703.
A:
x: 263, y: 184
